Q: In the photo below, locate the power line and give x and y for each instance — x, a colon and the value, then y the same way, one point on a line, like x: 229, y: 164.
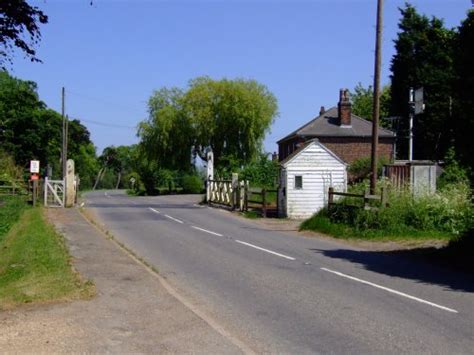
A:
x: 105, y: 102
x: 105, y: 124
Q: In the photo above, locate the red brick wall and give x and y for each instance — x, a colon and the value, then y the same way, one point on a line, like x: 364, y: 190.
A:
x: 348, y: 149
x: 351, y: 149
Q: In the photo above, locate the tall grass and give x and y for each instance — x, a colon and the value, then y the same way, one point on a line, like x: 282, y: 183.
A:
x: 444, y: 214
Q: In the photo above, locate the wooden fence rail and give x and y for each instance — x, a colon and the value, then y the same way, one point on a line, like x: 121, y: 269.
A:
x: 366, y: 198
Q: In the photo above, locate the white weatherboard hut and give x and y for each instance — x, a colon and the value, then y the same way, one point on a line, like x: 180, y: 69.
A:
x: 305, y: 178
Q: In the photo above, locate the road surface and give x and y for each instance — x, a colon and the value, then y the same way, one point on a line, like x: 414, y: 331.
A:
x: 277, y: 292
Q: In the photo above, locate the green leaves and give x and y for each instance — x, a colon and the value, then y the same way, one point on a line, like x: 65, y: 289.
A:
x: 230, y: 116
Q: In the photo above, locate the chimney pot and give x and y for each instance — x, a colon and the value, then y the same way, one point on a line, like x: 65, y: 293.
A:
x: 344, y: 108
x: 322, y: 110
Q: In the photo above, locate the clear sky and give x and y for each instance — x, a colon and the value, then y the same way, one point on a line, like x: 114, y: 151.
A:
x: 111, y: 56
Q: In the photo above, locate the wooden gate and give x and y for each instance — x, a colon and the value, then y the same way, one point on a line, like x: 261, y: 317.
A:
x: 54, y: 193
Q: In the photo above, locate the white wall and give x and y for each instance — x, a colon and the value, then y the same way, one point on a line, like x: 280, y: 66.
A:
x: 319, y: 170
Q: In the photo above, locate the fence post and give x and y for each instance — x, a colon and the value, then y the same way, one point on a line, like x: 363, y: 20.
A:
x: 383, y: 198
x: 234, y: 185
x: 45, y: 191
x: 35, y: 192
x: 264, y: 203
x: 330, y: 196
x: 246, y: 201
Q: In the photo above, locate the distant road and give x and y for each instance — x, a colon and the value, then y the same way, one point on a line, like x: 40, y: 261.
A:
x: 278, y: 292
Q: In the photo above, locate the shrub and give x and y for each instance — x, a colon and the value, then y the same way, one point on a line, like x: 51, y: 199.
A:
x: 361, y: 168
x: 448, y: 211
x: 192, y: 184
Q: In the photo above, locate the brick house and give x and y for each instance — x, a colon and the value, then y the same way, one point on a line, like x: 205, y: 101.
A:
x: 345, y: 134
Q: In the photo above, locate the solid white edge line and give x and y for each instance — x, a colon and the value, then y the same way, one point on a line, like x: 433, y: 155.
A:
x: 266, y: 250
x: 152, y: 209
x: 207, y: 231
x: 174, y: 219
x: 390, y: 290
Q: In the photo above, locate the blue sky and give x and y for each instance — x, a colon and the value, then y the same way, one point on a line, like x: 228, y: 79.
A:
x: 112, y: 55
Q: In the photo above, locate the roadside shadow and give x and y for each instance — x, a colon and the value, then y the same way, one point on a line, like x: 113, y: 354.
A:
x: 424, y: 265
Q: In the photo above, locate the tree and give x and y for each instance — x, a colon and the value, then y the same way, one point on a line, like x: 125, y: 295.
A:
x: 362, y: 103
x: 29, y: 130
x: 464, y: 86
x: 19, y: 27
x: 424, y: 58
x: 229, y: 116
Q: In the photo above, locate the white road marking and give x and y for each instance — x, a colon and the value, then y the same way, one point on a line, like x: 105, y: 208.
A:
x: 156, y: 211
x: 265, y: 250
x: 196, y: 205
x: 207, y: 231
x: 174, y: 219
x: 390, y: 290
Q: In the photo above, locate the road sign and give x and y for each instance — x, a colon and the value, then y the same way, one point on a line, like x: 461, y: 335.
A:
x: 34, y: 166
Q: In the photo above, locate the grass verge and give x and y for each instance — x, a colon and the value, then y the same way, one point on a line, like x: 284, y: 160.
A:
x: 35, y: 265
x: 323, y: 224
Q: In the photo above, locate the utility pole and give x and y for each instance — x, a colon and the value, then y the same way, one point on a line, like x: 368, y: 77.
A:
x: 63, y: 149
x: 376, y: 104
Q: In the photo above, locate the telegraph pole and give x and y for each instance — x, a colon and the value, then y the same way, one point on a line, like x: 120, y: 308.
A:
x: 376, y: 104
x: 64, y: 148
x: 411, y: 103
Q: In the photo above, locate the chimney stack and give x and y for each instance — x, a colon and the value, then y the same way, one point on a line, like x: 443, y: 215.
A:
x: 321, y: 111
x: 344, y: 108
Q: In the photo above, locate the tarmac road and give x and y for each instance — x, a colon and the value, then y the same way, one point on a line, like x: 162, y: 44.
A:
x: 278, y: 292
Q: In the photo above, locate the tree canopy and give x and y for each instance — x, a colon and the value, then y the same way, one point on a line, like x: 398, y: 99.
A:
x: 19, y: 27
x: 362, y: 102
x: 29, y: 130
x: 424, y: 58
x: 229, y: 116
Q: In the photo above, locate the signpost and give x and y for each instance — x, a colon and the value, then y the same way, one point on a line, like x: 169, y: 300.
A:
x: 34, y: 170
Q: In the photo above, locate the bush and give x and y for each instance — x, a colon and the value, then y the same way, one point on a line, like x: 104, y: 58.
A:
x: 449, y: 211
x: 361, y: 168
x: 192, y: 184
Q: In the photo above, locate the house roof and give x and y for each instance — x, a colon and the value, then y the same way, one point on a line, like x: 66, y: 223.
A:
x: 326, y: 125
x: 305, y: 145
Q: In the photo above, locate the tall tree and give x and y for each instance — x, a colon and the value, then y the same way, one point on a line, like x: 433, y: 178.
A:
x: 464, y: 112
x: 362, y: 102
x: 229, y: 116
x: 424, y: 58
x: 19, y: 27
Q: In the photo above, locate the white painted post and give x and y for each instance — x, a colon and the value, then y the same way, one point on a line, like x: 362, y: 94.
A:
x: 69, y: 192
x: 209, y: 174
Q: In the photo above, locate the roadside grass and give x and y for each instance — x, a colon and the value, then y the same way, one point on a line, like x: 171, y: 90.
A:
x: 11, y: 208
x: 34, y: 262
x: 323, y: 224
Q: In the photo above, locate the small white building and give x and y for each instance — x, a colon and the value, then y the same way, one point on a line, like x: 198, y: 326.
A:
x: 305, y: 177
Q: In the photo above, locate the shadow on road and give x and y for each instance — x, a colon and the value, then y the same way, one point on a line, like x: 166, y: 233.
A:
x: 424, y: 265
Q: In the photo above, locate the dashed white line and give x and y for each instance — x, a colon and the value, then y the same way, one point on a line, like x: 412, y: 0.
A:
x: 152, y: 209
x: 265, y: 250
x: 207, y: 231
x: 174, y: 219
x: 390, y: 290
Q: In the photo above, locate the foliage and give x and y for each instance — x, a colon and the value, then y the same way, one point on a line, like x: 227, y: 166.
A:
x: 35, y: 265
x: 11, y: 208
x: 361, y: 168
x: 453, y: 172
x: 192, y: 184
x: 448, y: 212
x: 464, y: 91
x: 424, y: 58
x: 9, y: 171
x: 29, y: 130
x: 362, y: 103
x: 229, y: 116
x: 18, y: 20
x: 262, y: 172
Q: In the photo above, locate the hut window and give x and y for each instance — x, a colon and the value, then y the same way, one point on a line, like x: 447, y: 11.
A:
x: 298, y: 182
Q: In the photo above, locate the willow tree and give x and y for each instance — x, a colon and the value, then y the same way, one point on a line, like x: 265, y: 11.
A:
x: 231, y: 117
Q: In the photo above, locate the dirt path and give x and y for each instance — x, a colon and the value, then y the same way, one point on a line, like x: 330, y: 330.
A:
x: 132, y: 311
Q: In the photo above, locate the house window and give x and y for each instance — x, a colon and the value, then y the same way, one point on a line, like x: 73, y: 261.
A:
x: 298, y: 182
